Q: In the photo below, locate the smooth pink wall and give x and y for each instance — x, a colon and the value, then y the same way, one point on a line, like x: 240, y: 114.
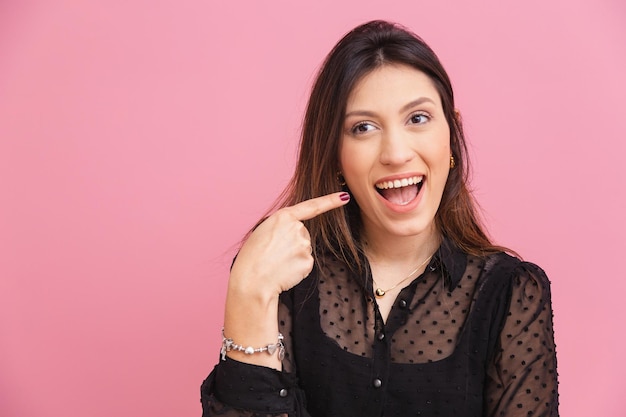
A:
x: 140, y: 139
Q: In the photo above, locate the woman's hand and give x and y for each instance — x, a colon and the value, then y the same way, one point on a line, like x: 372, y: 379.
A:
x: 275, y: 257
x: 278, y: 254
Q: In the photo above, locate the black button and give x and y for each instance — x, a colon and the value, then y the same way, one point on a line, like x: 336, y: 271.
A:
x: 402, y: 304
x: 377, y: 383
x: 381, y: 336
x: 282, y: 392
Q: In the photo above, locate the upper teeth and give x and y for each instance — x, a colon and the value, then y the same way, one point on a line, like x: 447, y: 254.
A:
x: 399, y: 183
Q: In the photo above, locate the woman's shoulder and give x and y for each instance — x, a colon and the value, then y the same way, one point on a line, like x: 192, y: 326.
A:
x: 524, y: 277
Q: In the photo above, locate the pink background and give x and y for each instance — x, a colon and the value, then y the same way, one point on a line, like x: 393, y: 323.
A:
x: 139, y: 140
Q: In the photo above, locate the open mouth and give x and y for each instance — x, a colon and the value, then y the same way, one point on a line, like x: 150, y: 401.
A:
x: 401, y: 191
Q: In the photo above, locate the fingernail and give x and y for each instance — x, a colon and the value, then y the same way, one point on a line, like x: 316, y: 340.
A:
x: 344, y: 196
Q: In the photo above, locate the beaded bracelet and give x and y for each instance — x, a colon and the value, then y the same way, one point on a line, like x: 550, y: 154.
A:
x: 229, y: 344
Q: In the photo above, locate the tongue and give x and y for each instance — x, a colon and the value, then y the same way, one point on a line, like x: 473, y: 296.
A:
x: 400, y: 196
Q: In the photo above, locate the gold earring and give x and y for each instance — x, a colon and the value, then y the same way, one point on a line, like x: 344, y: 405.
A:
x: 452, y: 163
x: 340, y: 179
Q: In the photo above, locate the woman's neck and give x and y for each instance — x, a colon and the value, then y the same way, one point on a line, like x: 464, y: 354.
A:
x: 392, y: 249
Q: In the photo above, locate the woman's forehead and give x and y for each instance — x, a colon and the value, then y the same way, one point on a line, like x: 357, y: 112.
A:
x: 391, y: 85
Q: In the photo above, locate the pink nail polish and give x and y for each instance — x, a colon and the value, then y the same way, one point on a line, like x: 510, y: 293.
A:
x: 344, y: 196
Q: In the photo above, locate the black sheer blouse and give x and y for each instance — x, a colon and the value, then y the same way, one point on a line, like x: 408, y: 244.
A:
x: 469, y: 337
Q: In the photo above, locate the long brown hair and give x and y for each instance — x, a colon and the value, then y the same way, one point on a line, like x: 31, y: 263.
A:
x: 359, y: 52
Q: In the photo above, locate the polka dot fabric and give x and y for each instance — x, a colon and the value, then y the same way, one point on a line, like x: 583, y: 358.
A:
x: 523, y: 375
x: 469, y: 337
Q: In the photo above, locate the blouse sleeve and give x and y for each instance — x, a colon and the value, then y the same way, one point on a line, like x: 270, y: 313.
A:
x: 237, y: 389
x: 522, y: 379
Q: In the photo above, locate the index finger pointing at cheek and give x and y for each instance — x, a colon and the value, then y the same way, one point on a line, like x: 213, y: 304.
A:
x: 314, y: 207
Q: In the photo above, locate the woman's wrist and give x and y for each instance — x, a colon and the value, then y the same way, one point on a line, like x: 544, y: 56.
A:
x: 251, y: 320
x: 255, y: 291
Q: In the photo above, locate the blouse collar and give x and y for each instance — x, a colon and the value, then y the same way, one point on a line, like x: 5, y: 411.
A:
x: 453, y: 262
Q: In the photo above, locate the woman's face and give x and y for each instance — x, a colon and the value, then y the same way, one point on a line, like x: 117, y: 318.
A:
x: 395, y: 151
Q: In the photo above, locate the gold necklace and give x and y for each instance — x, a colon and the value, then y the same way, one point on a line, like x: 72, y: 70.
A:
x: 379, y: 292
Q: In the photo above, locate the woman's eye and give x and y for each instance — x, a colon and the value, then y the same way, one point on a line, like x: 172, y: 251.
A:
x: 419, y: 118
x: 362, y: 127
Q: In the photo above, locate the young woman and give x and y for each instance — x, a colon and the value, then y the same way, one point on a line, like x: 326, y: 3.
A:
x: 374, y: 290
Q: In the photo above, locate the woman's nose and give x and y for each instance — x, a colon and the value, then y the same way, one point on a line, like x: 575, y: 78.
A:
x: 395, y: 149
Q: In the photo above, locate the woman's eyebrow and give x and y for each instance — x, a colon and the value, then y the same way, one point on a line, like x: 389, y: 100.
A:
x: 365, y: 113
x: 416, y: 102
x: 404, y: 108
